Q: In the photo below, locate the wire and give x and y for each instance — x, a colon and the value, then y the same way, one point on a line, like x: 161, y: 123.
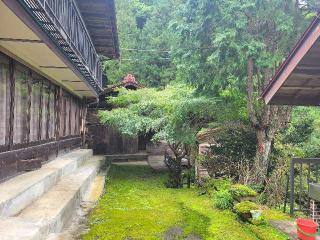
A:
x: 145, y: 50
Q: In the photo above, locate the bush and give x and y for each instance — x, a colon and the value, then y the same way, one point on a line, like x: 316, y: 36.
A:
x: 223, y: 200
x: 234, y: 152
x: 214, y: 185
x: 239, y: 190
x: 245, y: 207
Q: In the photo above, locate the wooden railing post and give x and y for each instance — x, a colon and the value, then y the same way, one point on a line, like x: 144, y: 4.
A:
x: 292, y: 187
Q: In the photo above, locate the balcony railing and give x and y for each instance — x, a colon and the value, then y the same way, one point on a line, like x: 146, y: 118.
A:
x: 62, y: 21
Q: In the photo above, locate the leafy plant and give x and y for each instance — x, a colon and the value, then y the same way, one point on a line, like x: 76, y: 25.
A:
x: 213, y: 185
x: 223, y: 200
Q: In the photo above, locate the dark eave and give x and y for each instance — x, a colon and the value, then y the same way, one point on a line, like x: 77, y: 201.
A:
x: 297, y: 81
x: 100, y: 19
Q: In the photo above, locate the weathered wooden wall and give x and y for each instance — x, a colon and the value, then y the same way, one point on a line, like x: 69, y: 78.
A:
x: 106, y: 140
x: 37, y: 117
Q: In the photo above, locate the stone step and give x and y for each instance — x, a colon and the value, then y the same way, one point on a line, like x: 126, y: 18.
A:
x: 78, y: 222
x: 19, y: 192
x: 52, y: 212
x: 13, y: 228
x: 141, y: 156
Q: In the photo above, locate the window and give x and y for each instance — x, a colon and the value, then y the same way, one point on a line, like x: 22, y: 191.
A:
x: 4, y: 98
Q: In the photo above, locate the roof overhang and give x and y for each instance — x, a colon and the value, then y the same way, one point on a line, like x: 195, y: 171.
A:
x: 100, y: 19
x: 33, y: 48
x: 297, y: 81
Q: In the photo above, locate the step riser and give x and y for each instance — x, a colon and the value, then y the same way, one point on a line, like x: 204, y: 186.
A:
x: 13, y: 206
x: 62, y: 219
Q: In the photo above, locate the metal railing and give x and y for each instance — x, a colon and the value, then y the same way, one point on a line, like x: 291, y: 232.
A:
x: 303, y: 172
x: 62, y: 21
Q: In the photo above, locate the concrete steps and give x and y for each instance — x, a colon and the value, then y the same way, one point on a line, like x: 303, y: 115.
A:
x: 19, y: 192
x: 50, y: 202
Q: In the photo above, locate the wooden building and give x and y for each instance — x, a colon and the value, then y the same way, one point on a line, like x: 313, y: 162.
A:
x: 297, y: 82
x: 49, y: 71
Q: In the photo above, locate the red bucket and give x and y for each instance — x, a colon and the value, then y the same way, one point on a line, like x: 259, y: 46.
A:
x: 307, y: 229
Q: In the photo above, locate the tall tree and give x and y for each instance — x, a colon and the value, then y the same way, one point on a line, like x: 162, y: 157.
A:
x: 244, y: 43
x: 145, y: 42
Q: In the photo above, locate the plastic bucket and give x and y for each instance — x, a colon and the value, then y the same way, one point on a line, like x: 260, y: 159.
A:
x: 306, y: 229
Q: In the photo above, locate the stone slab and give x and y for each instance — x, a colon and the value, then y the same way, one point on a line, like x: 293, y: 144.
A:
x: 19, y: 192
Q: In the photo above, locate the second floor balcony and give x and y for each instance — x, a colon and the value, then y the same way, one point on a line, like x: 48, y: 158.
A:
x: 81, y: 30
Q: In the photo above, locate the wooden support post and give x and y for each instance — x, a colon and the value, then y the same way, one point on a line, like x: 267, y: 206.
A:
x: 48, y: 112
x: 64, y: 114
x: 70, y: 113
x: 292, y: 187
x: 40, y: 111
x: 29, y: 83
x: 58, y: 103
x: 75, y: 116
x: 12, y: 103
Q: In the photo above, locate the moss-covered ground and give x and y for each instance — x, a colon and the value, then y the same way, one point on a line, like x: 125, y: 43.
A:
x: 137, y: 206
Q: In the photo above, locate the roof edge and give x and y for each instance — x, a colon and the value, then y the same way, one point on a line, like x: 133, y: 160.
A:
x: 292, y: 53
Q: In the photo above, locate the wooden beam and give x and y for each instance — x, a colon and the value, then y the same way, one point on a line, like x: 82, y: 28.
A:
x: 300, y: 88
x: 29, y: 83
x: 9, y: 159
x: 70, y: 112
x: 48, y: 111
x: 20, y: 40
x: 295, y: 100
x: 53, y: 67
x: 40, y: 111
x: 305, y: 71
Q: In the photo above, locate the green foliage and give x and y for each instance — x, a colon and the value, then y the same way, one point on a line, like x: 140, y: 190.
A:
x: 235, y: 148
x: 173, y: 114
x: 245, y: 207
x: 239, y: 190
x: 217, y: 184
x: 223, y: 200
x: 144, y: 52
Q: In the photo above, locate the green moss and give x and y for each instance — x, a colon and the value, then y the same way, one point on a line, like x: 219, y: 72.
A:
x: 271, y: 214
x: 266, y: 232
x: 239, y: 190
x: 245, y: 207
x: 138, y: 206
x: 258, y: 221
x: 223, y: 200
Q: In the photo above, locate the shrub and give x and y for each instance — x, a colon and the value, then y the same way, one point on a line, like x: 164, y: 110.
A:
x: 245, y: 207
x: 223, y: 200
x: 213, y: 185
x: 234, y: 152
x: 239, y: 190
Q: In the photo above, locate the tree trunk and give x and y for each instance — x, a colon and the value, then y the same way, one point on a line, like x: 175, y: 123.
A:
x: 261, y: 163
